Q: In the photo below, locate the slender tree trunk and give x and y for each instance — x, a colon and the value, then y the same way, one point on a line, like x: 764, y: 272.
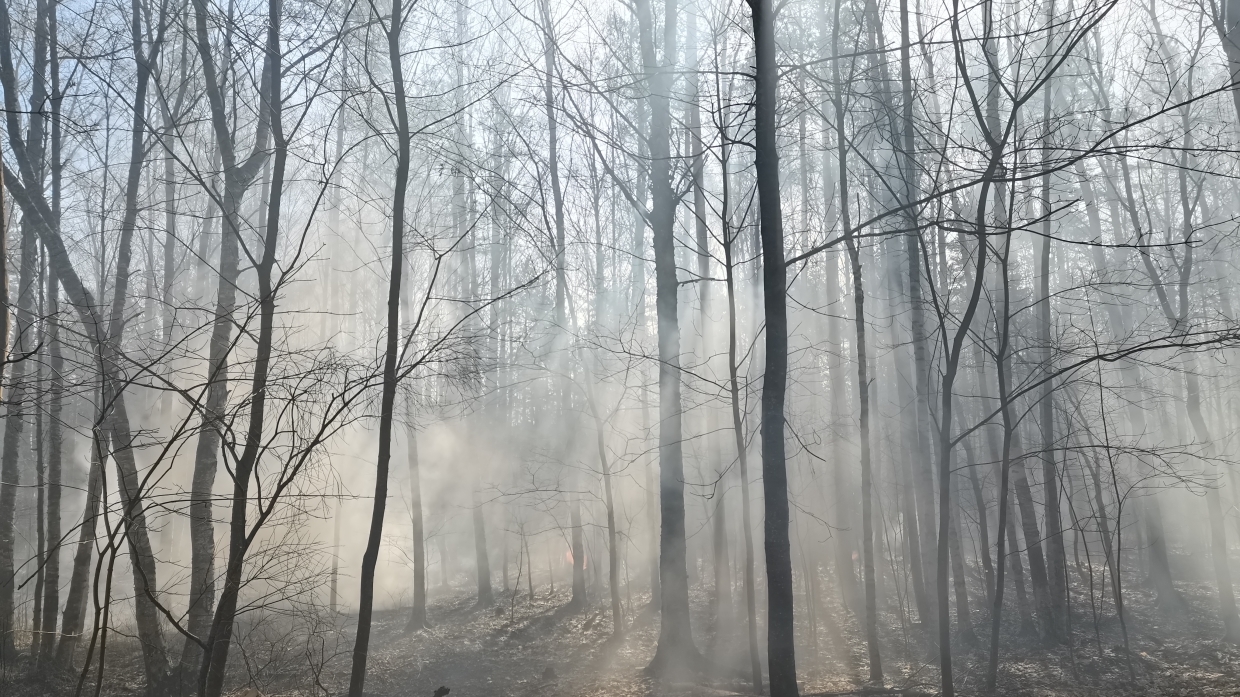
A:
x: 863, y: 387
x: 239, y: 173
x: 55, y: 394
x: 55, y: 439
x: 953, y: 351
x: 215, y: 660
x: 170, y: 215
x: 675, y: 652
x: 1056, y: 574
x: 983, y: 524
x: 964, y: 619
x: 781, y: 647
x: 867, y: 505
x: 1033, y: 541
x: 334, y: 582
x: 79, y: 580
x: 417, y: 619
x: 738, y: 431
x: 844, y: 535
x: 132, y: 488
x: 40, y: 469
x: 15, y: 422
x: 370, y: 558
x: 906, y: 147
x: 486, y: 596
x: 613, y: 551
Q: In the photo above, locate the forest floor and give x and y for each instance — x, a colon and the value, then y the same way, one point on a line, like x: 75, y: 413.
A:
x: 526, y: 649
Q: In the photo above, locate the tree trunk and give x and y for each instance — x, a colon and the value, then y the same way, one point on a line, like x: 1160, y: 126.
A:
x: 370, y: 558
x: 738, y: 428
x: 14, y: 421
x: 964, y: 619
x: 79, y: 579
x: 215, y: 659
x: 132, y: 488
x: 55, y: 440
x: 334, y: 581
x: 983, y: 524
x: 1054, y: 625
x: 863, y: 387
x: 486, y: 596
x: 675, y: 652
x: 239, y: 174
x: 613, y: 551
x: 844, y: 536
x: 417, y: 619
x: 781, y: 646
x: 56, y: 388
x: 1023, y: 606
x: 1033, y: 542
x: 867, y: 506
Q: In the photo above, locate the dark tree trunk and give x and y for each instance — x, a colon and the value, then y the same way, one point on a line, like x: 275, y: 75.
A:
x: 370, y: 558
x: 14, y: 425
x: 40, y: 472
x: 675, y: 652
x: 55, y: 439
x: 781, y: 647
x: 964, y: 619
x: 215, y: 659
x: 1056, y: 574
x: 16, y: 413
x: 239, y: 174
x: 983, y: 523
x: 867, y: 486
x: 738, y: 432
x: 1033, y: 541
x: 79, y: 580
x: 131, y: 486
x: 56, y: 387
x: 867, y: 524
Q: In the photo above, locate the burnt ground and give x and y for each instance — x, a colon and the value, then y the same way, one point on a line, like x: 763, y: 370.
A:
x: 526, y: 649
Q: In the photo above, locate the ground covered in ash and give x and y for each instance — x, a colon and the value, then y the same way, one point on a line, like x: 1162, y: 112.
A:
x: 527, y: 648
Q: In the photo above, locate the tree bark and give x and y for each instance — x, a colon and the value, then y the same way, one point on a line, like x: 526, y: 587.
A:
x: 17, y: 413
x: 964, y: 619
x: 239, y: 174
x: 14, y: 422
x: 215, y: 659
x: 675, y: 652
x: 486, y: 596
x: 863, y: 387
x: 55, y: 440
x: 79, y: 580
x: 738, y: 428
x: 781, y: 646
x: 417, y: 618
x: 370, y: 558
